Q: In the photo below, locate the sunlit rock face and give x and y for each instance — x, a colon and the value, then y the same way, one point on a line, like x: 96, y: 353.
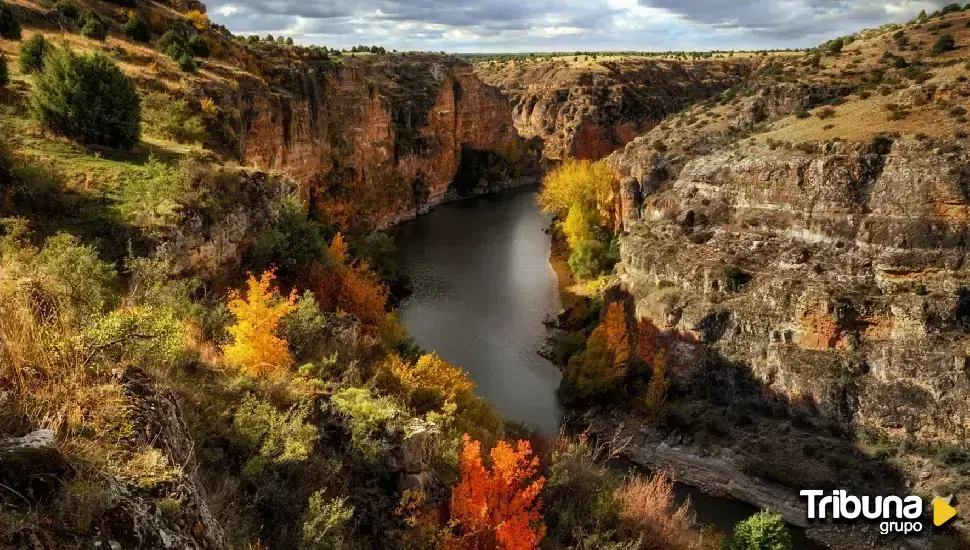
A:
x: 588, y: 109
x: 375, y: 139
x: 835, y: 271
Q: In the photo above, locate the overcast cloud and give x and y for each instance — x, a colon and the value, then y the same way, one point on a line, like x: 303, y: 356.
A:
x: 563, y: 25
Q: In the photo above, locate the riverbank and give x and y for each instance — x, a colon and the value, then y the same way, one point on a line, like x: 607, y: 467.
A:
x: 452, y: 195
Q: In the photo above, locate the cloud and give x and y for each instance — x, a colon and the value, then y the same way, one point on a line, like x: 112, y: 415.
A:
x: 563, y: 25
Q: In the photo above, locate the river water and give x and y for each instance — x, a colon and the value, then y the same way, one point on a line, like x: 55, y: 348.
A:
x: 482, y: 285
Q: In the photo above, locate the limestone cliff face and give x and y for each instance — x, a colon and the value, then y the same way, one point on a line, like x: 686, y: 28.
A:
x: 589, y: 109
x: 835, y: 271
x: 373, y: 139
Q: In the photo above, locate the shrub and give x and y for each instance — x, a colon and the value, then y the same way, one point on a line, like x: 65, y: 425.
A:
x: 149, y: 195
x: 762, y: 531
x: 172, y: 43
x: 67, y: 8
x: 4, y: 71
x: 198, y: 19
x: 304, y: 329
x: 290, y: 242
x: 32, y: 52
x: 9, y: 26
x: 274, y: 436
x: 92, y: 26
x: 825, y: 113
x: 326, y: 524
x: 578, y: 496
x: 944, y: 44
x: 187, y: 63
x: 170, y: 118
x: 198, y: 46
x: 364, y: 414
x: 647, y: 509
x: 88, y: 98
x: 590, y: 258
x: 136, y: 28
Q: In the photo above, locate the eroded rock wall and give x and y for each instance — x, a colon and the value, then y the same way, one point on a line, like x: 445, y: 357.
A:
x: 835, y: 271
x: 373, y: 139
x: 589, y: 109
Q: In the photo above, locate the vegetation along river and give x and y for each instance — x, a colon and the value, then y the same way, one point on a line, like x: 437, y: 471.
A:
x: 482, y: 284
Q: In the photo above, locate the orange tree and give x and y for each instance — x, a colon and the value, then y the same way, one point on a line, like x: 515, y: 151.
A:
x: 497, y: 508
x: 349, y: 286
x: 255, y: 347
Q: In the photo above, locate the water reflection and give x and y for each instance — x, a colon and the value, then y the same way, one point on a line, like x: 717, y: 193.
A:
x: 482, y: 286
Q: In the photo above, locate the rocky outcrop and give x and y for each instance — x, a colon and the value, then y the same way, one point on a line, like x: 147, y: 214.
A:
x: 587, y: 109
x: 835, y: 271
x: 374, y: 139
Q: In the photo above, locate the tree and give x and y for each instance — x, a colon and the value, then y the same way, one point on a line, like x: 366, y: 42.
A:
x: 498, y: 508
x: 255, y: 346
x: 92, y: 26
x: 349, y: 286
x: 4, y: 72
x: 762, y: 531
x: 67, y: 8
x: 922, y: 17
x: 289, y: 40
x: 198, y: 20
x: 136, y: 28
x: 944, y: 44
x: 88, y: 98
x: 32, y: 52
x: 9, y: 26
x: 583, y: 185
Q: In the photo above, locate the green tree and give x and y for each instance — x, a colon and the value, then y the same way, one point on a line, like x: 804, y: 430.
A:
x: 136, y: 28
x: 922, y: 17
x: 67, y: 8
x: 944, y: 44
x: 9, y: 26
x: 88, y: 98
x: 32, y: 52
x: 762, y: 531
x: 92, y: 26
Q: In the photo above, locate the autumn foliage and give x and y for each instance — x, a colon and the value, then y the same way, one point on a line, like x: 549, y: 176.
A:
x: 647, y: 507
x: 255, y: 346
x: 604, y: 364
x: 497, y: 508
x: 432, y: 374
x: 349, y: 286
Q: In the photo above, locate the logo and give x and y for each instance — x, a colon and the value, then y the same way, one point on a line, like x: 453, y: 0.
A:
x: 942, y: 512
x: 895, y: 514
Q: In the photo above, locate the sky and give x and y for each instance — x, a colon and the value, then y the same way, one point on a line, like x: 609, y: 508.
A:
x: 562, y: 25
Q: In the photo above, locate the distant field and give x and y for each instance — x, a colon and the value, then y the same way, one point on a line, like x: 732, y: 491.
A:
x: 583, y: 57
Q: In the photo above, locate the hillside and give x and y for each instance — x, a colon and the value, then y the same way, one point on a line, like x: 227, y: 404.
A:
x: 589, y: 108
x: 799, y: 241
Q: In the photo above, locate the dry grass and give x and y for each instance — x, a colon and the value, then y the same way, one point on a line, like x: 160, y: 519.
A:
x: 647, y: 507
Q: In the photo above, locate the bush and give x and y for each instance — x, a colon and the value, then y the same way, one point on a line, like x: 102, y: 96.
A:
x: 173, y: 119
x: 67, y: 8
x: 187, y: 63
x: 578, y: 496
x: 364, y: 415
x: 88, y: 98
x: 32, y: 52
x: 326, y: 523
x: 944, y: 44
x: 4, y: 72
x: 291, y: 243
x: 198, y: 46
x: 734, y: 278
x: 136, y: 28
x: 9, y: 26
x: 762, y: 531
x: 92, y: 26
x: 198, y: 20
x: 825, y: 113
x: 590, y: 258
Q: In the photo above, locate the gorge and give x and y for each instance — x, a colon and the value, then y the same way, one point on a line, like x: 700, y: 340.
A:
x: 205, y: 340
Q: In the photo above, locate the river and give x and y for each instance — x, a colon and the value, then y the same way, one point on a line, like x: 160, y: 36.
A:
x: 482, y: 284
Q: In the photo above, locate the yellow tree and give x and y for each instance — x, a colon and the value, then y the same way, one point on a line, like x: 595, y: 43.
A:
x: 432, y: 374
x: 656, y: 394
x: 255, y: 346
x: 582, y: 191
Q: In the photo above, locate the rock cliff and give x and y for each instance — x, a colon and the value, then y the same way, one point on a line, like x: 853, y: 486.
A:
x: 373, y: 139
x: 588, y: 109
x: 821, y: 253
